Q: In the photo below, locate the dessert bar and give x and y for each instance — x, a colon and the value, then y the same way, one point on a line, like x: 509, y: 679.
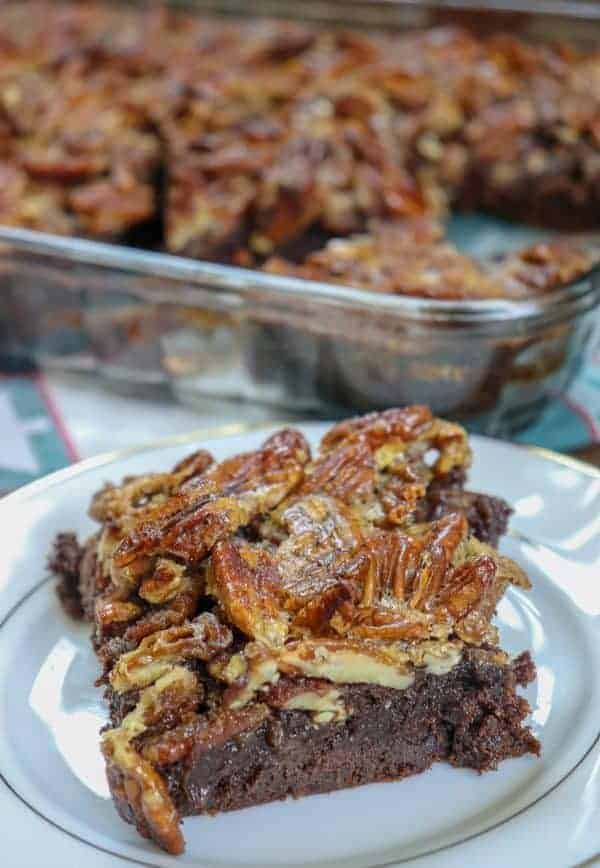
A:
x: 283, y: 623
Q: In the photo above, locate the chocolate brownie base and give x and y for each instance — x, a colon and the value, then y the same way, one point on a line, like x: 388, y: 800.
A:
x: 487, y: 515
x: 65, y: 563
x: 74, y: 566
x: 559, y: 200
x: 470, y: 717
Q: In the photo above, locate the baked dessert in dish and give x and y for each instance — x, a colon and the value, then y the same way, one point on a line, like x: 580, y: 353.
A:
x: 411, y: 257
x: 281, y: 623
x: 238, y: 140
x: 359, y: 362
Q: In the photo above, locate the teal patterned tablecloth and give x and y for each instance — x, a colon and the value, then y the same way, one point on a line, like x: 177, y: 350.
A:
x: 34, y: 442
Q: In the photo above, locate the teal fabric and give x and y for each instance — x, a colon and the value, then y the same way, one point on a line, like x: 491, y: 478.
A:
x: 572, y: 421
x: 23, y: 401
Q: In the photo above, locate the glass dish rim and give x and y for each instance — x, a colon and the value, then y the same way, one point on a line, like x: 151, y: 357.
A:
x: 583, y: 293
x: 574, y: 9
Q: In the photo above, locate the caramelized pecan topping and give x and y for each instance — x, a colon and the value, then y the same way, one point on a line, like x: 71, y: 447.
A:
x: 322, y: 534
x: 213, y: 506
x: 135, y: 495
x: 404, y: 427
x: 438, y: 546
x: 379, y: 463
x: 200, y: 639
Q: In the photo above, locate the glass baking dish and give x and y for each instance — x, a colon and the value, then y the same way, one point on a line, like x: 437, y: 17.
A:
x: 145, y: 320
x: 217, y: 331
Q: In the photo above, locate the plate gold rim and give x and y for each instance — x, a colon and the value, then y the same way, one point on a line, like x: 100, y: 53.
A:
x: 235, y: 429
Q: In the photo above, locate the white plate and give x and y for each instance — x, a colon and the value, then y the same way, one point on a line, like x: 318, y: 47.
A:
x: 54, y: 804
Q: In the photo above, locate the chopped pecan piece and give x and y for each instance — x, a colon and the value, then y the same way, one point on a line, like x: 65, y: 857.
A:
x: 106, y: 208
x: 200, y: 639
x: 511, y: 572
x: 386, y: 564
x: 379, y: 463
x: 438, y: 546
x: 406, y: 424
x: 348, y: 474
x: 174, y: 612
x: 323, y: 534
x: 390, y: 623
x: 110, y: 613
x: 246, y: 672
x: 324, y: 702
x: 202, y: 733
x: 315, y: 617
x: 288, y: 200
x: 167, y: 579
x: 136, y: 494
x: 466, y: 587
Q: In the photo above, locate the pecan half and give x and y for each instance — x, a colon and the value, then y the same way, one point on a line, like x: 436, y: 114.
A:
x: 246, y: 582
x: 438, y: 546
x: 216, y: 504
x: 322, y: 534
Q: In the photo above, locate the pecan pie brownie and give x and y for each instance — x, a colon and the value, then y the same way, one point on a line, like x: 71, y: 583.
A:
x: 281, y: 623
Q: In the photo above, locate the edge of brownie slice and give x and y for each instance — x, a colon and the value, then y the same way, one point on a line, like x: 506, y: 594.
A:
x: 471, y: 717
